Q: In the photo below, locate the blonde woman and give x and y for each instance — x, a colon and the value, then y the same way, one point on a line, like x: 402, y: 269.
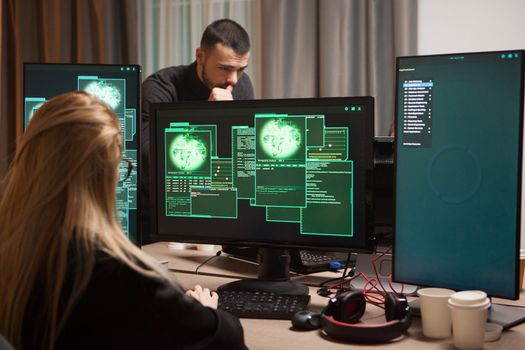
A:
x: 69, y: 278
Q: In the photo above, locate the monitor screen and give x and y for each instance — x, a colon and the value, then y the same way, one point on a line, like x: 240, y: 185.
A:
x: 290, y: 172
x: 458, y: 171
x: 118, y: 86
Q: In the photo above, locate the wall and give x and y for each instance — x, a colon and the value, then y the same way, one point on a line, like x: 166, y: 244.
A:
x: 447, y: 26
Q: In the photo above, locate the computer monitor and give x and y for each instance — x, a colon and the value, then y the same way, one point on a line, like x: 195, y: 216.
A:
x: 119, y: 87
x: 459, y: 129
x: 266, y: 173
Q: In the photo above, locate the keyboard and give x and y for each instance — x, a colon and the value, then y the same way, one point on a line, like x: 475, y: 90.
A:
x: 312, y: 258
x: 262, y: 304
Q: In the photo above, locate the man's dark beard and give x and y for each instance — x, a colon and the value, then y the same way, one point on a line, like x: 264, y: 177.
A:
x: 208, y: 83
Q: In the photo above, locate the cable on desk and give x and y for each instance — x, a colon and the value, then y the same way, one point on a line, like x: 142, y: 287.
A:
x: 325, y: 291
x: 373, y: 290
x: 346, y: 265
x: 207, y: 260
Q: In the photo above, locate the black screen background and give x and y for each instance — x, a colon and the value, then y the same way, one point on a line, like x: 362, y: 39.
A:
x: 251, y: 228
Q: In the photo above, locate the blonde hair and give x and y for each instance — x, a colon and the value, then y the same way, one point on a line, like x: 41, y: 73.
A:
x: 59, y: 196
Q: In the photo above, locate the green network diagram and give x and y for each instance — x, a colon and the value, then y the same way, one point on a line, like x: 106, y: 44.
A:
x: 292, y: 165
x: 113, y: 92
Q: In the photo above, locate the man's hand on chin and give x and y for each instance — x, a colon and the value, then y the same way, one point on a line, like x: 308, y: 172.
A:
x: 220, y: 94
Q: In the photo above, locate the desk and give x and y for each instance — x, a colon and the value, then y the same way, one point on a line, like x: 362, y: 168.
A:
x: 277, y: 334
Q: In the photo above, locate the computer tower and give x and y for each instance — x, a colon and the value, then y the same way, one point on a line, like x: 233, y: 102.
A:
x: 383, y: 188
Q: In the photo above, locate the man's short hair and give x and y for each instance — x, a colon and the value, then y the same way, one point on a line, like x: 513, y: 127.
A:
x: 226, y: 32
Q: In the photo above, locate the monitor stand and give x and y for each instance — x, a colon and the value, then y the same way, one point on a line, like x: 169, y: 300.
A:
x: 505, y: 315
x: 274, y: 275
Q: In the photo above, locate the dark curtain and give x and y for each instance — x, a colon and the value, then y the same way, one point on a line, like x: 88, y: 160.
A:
x: 57, y: 31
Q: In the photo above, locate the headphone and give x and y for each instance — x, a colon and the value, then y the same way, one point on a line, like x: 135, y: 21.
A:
x: 339, y: 318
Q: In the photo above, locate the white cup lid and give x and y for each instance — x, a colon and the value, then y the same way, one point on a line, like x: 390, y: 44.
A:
x: 469, y: 299
x: 435, y: 292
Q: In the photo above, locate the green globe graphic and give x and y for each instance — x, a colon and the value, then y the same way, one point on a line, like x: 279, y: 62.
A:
x: 106, y: 92
x: 280, y: 139
x: 188, y: 152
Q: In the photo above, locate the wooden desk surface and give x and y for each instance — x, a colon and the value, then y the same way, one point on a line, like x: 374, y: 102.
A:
x: 277, y: 334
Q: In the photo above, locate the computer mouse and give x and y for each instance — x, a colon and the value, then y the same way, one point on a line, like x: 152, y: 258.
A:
x: 306, y: 319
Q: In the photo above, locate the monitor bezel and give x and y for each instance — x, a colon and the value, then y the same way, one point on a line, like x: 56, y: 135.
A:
x: 154, y: 236
x: 516, y: 293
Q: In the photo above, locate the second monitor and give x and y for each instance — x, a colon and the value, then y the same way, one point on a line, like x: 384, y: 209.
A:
x: 267, y: 173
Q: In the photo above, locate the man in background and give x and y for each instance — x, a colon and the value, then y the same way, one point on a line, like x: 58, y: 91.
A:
x: 217, y: 74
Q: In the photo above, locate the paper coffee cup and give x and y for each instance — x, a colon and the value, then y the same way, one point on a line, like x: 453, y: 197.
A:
x: 435, y: 314
x: 469, y: 311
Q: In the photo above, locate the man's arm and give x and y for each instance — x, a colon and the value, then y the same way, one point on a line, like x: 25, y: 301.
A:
x: 155, y: 89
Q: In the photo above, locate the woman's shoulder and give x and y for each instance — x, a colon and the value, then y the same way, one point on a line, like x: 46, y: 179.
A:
x: 113, y: 272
